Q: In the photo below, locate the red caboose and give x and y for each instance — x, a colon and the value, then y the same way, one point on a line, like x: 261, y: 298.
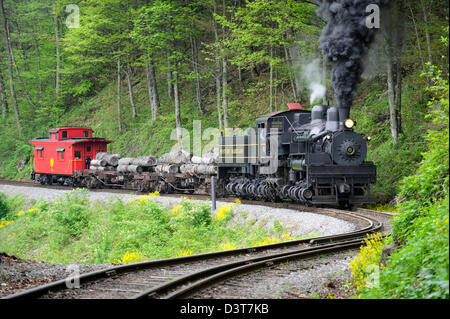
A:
x: 64, y: 153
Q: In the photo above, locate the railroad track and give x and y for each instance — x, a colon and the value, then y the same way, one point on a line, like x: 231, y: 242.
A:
x: 183, y: 276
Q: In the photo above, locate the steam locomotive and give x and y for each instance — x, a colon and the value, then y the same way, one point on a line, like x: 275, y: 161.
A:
x: 312, y: 157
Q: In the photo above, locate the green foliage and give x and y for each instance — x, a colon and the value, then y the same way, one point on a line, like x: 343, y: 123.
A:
x: 420, y: 267
x: 10, y: 205
x: 75, y: 229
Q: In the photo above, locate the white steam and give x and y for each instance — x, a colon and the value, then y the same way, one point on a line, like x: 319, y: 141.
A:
x: 317, y: 92
x: 312, y: 74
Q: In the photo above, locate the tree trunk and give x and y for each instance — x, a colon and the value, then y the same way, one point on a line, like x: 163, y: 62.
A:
x: 3, y: 100
x: 271, y: 80
x: 218, y: 72
x: 169, y: 80
x: 152, y: 89
x: 130, y: 89
x: 58, y: 55
x: 38, y: 54
x: 224, y: 92
x: 194, y: 52
x: 224, y: 73
x: 10, y: 71
x: 391, y: 97
x: 398, y: 95
x: 291, y: 76
x: 118, y: 96
x: 177, y: 107
x: 427, y: 34
x: 16, y: 68
x: 399, y: 65
x: 419, y: 47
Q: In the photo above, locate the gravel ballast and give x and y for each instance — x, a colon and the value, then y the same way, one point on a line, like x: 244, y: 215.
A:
x: 298, y: 223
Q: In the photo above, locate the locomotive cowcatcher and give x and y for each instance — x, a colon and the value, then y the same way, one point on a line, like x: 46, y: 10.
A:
x: 66, y: 152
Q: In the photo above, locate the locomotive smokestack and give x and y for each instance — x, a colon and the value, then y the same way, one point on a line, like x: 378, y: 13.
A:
x: 344, y: 41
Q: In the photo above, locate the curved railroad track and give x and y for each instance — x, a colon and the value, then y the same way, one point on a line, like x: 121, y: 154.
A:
x: 183, y: 276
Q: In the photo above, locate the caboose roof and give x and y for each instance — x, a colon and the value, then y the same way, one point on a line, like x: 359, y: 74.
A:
x: 69, y: 128
x: 73, y: 140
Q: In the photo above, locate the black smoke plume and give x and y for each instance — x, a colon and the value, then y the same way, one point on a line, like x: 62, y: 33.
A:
x: 344, y: 41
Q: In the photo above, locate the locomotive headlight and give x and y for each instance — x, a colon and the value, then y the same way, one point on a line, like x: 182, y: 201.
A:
x: 349, y: 123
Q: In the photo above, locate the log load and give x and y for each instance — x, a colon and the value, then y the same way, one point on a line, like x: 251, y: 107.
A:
x: 111, y: 159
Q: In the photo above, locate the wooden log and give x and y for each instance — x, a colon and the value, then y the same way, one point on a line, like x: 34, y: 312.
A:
x: 96, y: 162
x: 135, y: 169
x: 145, y: 161
x: 125, y: 161
x: 122, y: 168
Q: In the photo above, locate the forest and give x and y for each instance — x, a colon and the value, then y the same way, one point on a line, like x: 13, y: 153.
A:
x: 134, y: 70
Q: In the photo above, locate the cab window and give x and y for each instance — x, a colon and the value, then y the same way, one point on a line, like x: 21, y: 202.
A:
x: 85, y: 133
x: 64, y: 134
x: 77, y: 154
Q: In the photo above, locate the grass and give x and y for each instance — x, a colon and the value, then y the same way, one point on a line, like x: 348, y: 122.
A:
x: 74, y: 229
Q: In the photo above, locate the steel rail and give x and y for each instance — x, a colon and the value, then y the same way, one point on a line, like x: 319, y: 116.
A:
x: 220, y: 273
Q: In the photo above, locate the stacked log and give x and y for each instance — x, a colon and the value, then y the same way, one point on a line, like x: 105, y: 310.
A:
x: 144, y: 161
x: 125, y: 161
x: 111, y: 159
x: 198, y: 169
x: 177, y: 157
x: 136, y: 165
x: 167, y: 168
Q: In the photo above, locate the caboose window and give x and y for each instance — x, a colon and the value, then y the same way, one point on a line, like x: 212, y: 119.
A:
x: 41, y: 153
x: 64, y: 134
x: 62, y: 155
x: 85, y: 133
x: 88, y: 149
x: 78, y: 155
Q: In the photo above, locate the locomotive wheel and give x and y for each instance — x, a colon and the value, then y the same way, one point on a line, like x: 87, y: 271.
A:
x: 49, y: 179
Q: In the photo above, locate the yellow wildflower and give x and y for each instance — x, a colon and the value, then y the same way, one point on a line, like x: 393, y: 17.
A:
x: 237, y: 201
x: 184, y: 252
x: 129, y: 257
x: 223, y: 212
x: 154, y: 194
x: 143, y: 200
x: 227, y: 246
x: 4, y: 223
x: 21, y: 213
x: 177, y: 211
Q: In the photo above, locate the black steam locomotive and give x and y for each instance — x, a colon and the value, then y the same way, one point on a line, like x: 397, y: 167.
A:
x: 312, y: 157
